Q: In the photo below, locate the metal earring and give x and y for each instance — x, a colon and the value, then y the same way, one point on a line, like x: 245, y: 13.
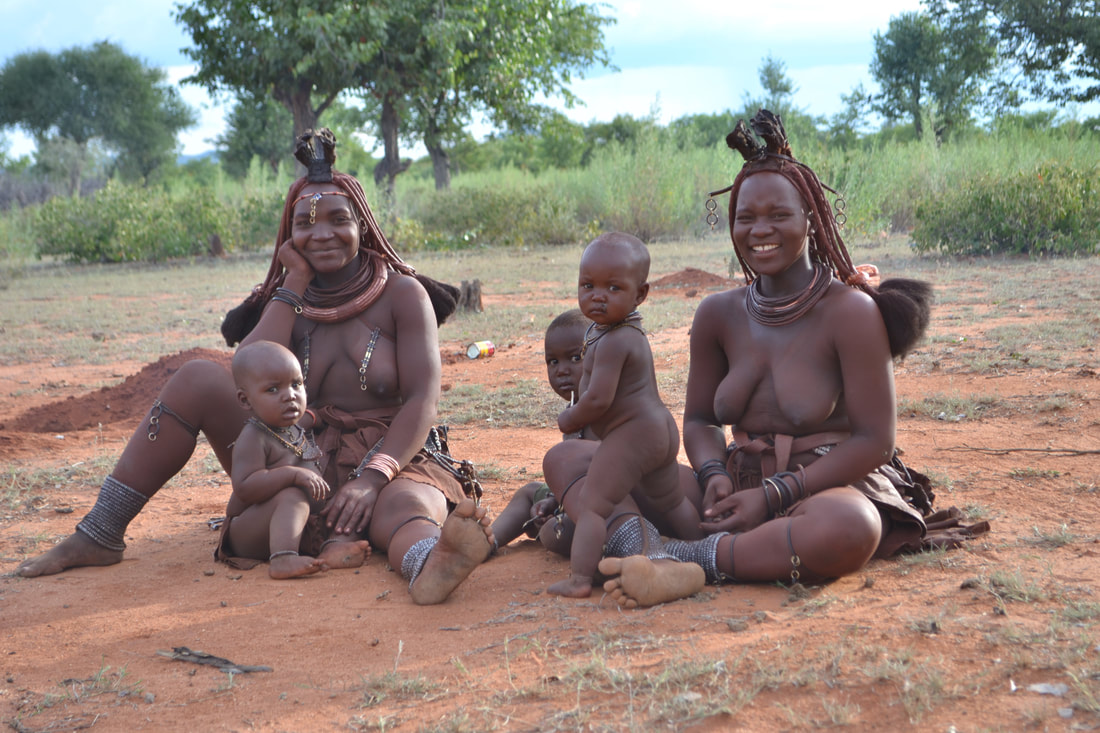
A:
x: 839, y: 206
x: 712, y: 213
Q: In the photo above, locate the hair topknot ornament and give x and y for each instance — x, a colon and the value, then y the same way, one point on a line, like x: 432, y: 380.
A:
x: 769, y: 127
x: 316, y: 150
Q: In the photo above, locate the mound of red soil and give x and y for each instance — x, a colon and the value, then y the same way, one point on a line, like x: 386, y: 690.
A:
x: 691, y: 277
x: 126, y: 401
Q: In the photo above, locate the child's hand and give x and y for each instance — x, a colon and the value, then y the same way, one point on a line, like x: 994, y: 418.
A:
x: 541, y: 511
x: 565, y: 422
x: 544, y: 508
x: 313, y: 485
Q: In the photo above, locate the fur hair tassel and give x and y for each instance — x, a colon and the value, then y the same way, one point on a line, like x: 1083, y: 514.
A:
x: 906, y: 307
x: 444, y: 297
x: 240, y: 321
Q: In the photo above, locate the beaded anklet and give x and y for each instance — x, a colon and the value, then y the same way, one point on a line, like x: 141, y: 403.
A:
x: 114, y: 508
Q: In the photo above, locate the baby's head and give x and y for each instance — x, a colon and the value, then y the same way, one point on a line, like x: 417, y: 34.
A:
x: 564, y: 341
x: 269, y: 383
x: 613, y: 277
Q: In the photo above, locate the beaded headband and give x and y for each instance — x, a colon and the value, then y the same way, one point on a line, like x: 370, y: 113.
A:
x: 313, y: 199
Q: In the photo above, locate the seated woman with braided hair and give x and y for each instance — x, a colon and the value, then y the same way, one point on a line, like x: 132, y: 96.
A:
x: 361, y: 322
x: 800, y: 365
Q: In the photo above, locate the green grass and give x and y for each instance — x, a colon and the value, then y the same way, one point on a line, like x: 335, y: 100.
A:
x: 947, y: 407
x: 526, y: 403
x: 102, y: 314
x: 105, y: 681
x: 25, y: 489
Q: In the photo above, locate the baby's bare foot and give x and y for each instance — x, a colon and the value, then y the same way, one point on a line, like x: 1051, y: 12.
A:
x: 343, y: 554
x: 642, y: 582
x: 75, y: 551
x: 294, y: 566
x: 464, y: 543
x: 575, y: 586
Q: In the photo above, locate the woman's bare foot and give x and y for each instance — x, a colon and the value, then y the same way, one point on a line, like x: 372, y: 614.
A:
x: 464, y: 543
x: 642, y: 582
x: 343, y: 554
x: 294, y: 566
x: 75, y: 551
x: 575, y: 586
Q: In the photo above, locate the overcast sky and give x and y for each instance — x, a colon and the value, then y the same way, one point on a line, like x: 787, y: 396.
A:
x: 674, y: 56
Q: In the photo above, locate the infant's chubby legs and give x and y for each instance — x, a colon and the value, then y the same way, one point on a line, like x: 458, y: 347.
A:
x: 589, y: 538
x: 665, y: 497
x: 272, y: 530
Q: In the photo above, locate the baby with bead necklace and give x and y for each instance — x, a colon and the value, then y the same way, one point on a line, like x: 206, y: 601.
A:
x: 277, y: 484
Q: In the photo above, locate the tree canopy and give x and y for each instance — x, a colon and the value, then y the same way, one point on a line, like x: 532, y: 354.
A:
x: 95, y: 93
x: 1054, y: 44
x: 930, y: 70
x: 423, y: 67
x: 258, y: 128
x: 301, y: 53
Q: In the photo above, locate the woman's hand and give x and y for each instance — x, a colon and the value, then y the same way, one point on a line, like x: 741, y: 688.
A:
x: 299, y: 273
x: 313, y: 485
x: 349, y: 511
x: 737, y: 512
x: 719, y: 486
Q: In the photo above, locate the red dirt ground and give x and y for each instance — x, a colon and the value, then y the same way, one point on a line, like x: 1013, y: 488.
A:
x: 958, y: 641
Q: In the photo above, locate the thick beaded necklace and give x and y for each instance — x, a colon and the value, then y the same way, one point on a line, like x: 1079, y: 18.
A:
x: 295, y: 438
x: 789, y: 308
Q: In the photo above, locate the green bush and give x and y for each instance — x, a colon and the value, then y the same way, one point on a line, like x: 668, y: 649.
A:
x: 123, y: 223
x: 255, y: 223
x: 523, y: 210
x: 978, y: 193
x: 651, y: 191
x: 1053, y: 208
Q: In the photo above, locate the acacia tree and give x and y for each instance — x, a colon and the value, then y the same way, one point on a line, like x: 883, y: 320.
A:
x: 255, y: 128
x: 1052, y: 43
x: 442, y: 61
x: 301, y: 53
x: 927, y: 69
x: 95, y: 93
x: 422, y: 66
x: 502, y: 56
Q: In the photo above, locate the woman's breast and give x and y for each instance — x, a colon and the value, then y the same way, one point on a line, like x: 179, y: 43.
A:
x: 352, y: 367
x: 791, y: 395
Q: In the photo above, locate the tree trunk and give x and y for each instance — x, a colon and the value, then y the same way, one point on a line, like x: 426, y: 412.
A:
x: 441, y: 166
x: 391, y: 164
x: 301, y: 109
x: 441, y: 161
x: 915, y: 111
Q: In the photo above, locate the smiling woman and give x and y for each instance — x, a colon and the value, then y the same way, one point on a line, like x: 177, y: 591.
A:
x: 799, y: 365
